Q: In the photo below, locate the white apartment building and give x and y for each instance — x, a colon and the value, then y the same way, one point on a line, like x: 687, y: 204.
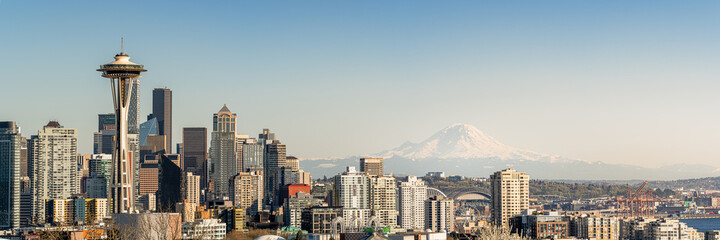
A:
x: 411, y: 200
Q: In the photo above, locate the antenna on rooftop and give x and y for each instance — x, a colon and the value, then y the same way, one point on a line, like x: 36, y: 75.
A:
x: 121, y: 44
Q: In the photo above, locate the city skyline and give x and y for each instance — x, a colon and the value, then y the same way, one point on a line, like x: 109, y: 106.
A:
x: 607, y: 87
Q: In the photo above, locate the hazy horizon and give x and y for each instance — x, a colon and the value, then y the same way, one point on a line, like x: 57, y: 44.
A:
x: 618, y: 82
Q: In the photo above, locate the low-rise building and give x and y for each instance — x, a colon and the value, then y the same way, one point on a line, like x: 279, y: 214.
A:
x: 540, y: 225
x: 204, y: 229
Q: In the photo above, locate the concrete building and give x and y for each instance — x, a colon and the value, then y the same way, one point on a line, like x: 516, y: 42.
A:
x: 186, y: 210
x: 383, y: 199
x: 195, y: 152
x: 191, y: 188
x: 204, y: 229
x: 439, y: 214
x: 162, y: 111
x: 372, y: 166
x: 247, y: 192
x: 295, y: 205
x: 540, y: 225
x: 55, y: 175
x: 223, y: 152
x: 148, y: 177
x: 510, y: 195
x: 78, y: 211
x: 411, y: 200
x: 596, y: 227
x: 319, y: 219
x: 351, y: 190
x: 10, y: 161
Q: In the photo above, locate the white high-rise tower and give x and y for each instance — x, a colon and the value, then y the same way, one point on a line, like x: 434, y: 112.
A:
x: 122, y: 74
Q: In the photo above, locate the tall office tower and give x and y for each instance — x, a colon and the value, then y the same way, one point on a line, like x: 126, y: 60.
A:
x: 253, y: 156
x: 411, y: 199
x: 106, y: 121
x: 122, y: 73
x: 372, y: 166
x: 100, y: 172
x: 162, y: 110
x: 148, y: 177
x: 55, y: 176
x: 150, y: 127
x: 170, y: 180
x: 223, y: 152
x: 195, y: 152
x: 24, y: 157
x: 293, y: 162
x: 351, y: 190
x: 247, y: 192
x: 191, y: 189
x: 10, y: 160
x: 133, y: 109
x: 510, y: 195
x: 274, y: 160
x: 240, y: 141
x: 383, y: 199
x: 439, y: 214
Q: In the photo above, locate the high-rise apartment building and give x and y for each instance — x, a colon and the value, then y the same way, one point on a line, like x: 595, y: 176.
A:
x: 352, y: 190
x: 247, y: 192
x: 383, y: 199
x: 55, y: 173
x: 10, y: 160
x: 372, y: 166
x: 195, y: 152
x: 191, y: 188
x: 510, y: 195
x: 223, y: 153
x: 162, y: 110
x: 439, y: 214
x: 411, y: 200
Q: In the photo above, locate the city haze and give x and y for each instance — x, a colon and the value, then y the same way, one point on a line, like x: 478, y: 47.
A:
x: 618, y: 82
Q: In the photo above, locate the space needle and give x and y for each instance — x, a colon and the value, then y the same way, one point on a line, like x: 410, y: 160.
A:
x: 121, y: 72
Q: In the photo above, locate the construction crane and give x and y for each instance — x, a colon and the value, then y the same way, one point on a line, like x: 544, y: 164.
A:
x: 637, y: 203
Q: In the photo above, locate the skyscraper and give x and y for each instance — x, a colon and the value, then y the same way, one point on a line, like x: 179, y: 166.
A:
x: 412, y: 196
x: 132, y: 119
x: 170, y: 180
x: 247, y: 191
x: 10, y: 159
x: 195, y: 152
x: 122, y: 74
x: 55, y: 174
x: 274, y: 160
x: 150, y: 127
x: 106, y: 121
x: 191, y: 188
x: 223, y: 153
x: 510, y: 195
x: 253, y: 156
x: 162, y: 110
x: 372, y: 166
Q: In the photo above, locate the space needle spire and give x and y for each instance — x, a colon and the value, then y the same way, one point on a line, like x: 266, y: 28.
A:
x: 121, y: 73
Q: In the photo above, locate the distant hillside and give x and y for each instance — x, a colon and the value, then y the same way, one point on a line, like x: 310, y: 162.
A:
x: 541, y: 187
x: 709, y: 183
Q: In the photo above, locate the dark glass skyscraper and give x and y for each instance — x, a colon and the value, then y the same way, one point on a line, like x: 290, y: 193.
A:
x: 133, y: 109
x: 195, y: 152
x: 162, y: 110
x: 10, y: 145
x: 106, y: 121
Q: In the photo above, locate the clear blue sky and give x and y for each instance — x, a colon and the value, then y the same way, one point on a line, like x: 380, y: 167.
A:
x: 616, y: 81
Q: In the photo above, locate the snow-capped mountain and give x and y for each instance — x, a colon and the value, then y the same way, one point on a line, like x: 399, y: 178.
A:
x: 463, y: 141
x: 463, y: 149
